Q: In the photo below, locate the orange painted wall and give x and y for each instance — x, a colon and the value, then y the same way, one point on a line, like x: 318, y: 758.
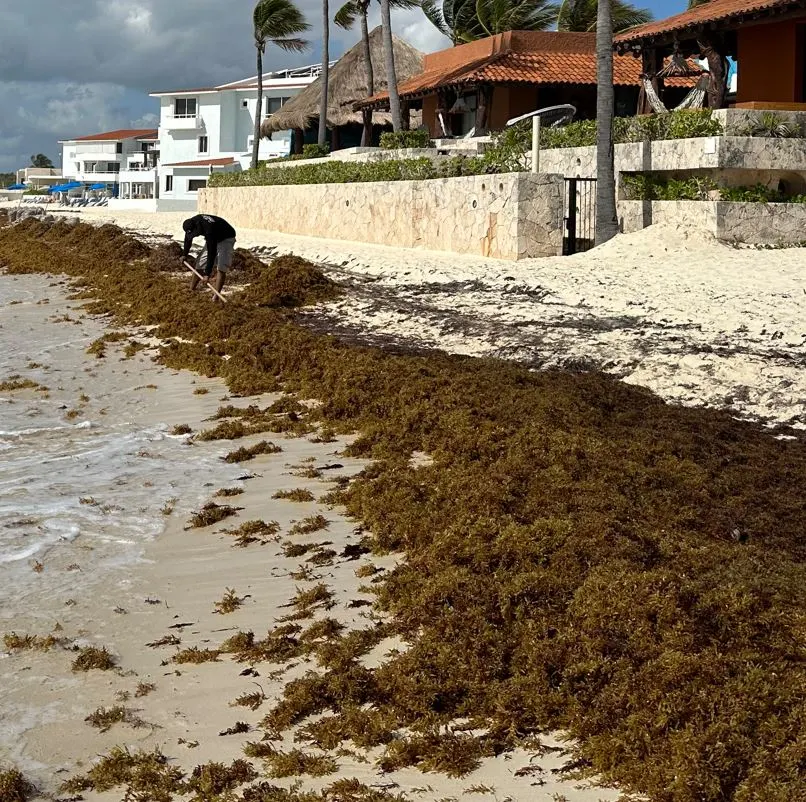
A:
x: 770, y: 66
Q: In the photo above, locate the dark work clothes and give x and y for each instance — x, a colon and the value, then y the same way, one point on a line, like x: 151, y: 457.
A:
x: 213, y: 229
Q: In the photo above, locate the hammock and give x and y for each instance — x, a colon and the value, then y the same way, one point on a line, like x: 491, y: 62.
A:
x: 693, y: 100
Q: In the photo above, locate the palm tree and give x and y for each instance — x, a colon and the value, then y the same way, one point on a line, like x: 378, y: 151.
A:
x: 278, y: 22
x: 389, y: 60
x: 324, y: 75
x: 580, y: 15
x: 606, y: 223
x: 467, y: 20
x: 345, y: 18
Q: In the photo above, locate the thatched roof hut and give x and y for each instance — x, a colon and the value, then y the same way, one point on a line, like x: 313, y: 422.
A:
x: 346, y: 85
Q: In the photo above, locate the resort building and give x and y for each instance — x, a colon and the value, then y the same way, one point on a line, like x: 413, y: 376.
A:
x: 39, y: 177
x: 767, y: 39
x: 348, y: 83
x: 123, y: 163
x: 482, y: 84
x: 211, y: 129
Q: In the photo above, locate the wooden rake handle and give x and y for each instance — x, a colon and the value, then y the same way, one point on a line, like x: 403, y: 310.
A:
x: 204, y: 280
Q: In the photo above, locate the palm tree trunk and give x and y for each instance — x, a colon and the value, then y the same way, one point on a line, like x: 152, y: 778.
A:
x: 259, y: 107
x: 325, y: 74
x: 366, y: 135
x: 606, y: 222
x: 389, y: 59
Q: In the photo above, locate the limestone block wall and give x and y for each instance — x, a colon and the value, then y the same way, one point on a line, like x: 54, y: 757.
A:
x: 510, y: 216
x: 752, y: 223
x: 725, y: 158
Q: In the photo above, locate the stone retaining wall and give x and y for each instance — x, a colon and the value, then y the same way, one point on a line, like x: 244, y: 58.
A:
x: 511, y: 216
x: 753, y: 223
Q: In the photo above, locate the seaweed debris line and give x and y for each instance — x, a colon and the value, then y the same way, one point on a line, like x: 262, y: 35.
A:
x: 577, y: 554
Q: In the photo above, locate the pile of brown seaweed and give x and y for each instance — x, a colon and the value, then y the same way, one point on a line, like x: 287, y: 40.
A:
x: 578, y: 554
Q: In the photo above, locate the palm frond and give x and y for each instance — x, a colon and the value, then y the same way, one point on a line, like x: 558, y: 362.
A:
x: 434, y: 15
x: 346, y: 15
x: 278, y: 20
x: 292, y: 45
x: 580, y: 15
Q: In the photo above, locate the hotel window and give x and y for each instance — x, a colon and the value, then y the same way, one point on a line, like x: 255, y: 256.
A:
x: 195, y: 184
x: 169, y: 183
x: 202, y: 144
x: 185, y: 107
x: 274, y: 104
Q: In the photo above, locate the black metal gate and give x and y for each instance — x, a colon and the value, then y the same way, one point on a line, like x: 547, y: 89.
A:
x: 579, y: 214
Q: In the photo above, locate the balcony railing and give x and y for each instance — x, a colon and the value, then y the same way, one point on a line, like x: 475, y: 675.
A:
x: 183, y: 122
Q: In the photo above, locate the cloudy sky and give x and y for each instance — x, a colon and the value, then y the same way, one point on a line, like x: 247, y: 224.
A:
x: 75, y: 67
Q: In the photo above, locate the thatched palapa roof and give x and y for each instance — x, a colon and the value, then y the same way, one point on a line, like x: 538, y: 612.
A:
x: 347, y: 84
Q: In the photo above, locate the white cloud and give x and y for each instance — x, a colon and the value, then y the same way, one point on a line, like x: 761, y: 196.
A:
x: 69, y: 67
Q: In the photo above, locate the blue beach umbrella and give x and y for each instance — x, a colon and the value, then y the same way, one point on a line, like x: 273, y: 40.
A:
x: 71, y: 185
x: 98, y: 186
x: 17, y: 186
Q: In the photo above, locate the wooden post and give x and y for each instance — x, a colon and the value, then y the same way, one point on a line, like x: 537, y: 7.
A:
x: 405, y: 115
x: 649, y: 67
x: 483, y: 103
x: 711, y: 51
x: 299, y: 138
x: 442, y: 113
x: 335, y: 138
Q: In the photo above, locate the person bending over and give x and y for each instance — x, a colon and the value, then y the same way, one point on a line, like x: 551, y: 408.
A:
x: 219, y: 245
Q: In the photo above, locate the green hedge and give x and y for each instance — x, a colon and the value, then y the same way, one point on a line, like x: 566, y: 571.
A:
x: 650, y: 187
x: 337, y: 172
x: 394, y: 140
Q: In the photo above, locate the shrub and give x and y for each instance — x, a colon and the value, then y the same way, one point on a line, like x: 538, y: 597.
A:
x: 770, y: 124
x: 648, y: 187
x: 313, y: 151
x: 394, y: 140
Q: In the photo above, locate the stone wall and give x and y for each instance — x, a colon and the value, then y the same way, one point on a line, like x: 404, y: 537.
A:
x: 752, y: 223
x: 511, y: 216
x: 734, y: 160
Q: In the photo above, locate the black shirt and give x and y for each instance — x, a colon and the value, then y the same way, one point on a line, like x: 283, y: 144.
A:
x: 213, y: 229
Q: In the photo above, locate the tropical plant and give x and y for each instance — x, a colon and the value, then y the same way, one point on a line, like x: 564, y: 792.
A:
x: 389, y: 60
x: 324, y: 75
x: 278, y: 22
x: 606, y: 222
x: 695, y: 3
x: 580, y: 15
x: 468, y: 20
x: 40, y: 160
x: 769, y: 124
x: 345, y: 18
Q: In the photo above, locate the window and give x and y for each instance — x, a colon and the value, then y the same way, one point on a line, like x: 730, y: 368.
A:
x: 202, y: 144
x: 118, y: 147
x: 245, y: 104
x: 185, y: 107
x: 195, y: 184
x: 274, y: 104
x: 169, y: 183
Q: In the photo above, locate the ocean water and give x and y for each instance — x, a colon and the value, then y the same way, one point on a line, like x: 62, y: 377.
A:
x: 86, y: 467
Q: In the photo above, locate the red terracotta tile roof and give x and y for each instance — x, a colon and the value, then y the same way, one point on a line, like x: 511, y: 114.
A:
x: 533, y: 68
x: 122, y: 133
x: 204, y: 162
x: 728, y: 12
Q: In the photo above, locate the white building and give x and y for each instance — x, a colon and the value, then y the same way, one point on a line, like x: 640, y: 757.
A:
x: 124, y: 161
x: 39, y: 177
x: 208, y: 130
